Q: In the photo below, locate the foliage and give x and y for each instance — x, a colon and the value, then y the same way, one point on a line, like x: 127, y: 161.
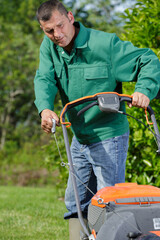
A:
x: 100, y: 14
x: 142, y: 25
x: 142, y: 28
x: 18, y: 63
x: 32, y: 213
x: 25, y: 166
x: 142, y: 162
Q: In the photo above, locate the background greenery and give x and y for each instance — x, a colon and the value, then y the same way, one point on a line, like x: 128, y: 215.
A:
x: 27, y: 155
x: 142, y: 28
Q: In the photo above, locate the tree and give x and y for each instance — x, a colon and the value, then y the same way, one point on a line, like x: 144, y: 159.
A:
x: 142, y: 28
x: 18, y: 61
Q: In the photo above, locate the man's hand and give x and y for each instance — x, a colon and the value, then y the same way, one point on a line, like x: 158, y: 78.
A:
x: 139, y: 100
x: 46, y: 121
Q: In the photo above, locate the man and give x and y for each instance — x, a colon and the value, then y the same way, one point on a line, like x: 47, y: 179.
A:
x: 78, y: 62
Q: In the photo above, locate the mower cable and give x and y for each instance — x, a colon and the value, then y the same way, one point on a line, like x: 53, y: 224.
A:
x: 78, y: 178
x: 63, y: 164
x: 155, y: 135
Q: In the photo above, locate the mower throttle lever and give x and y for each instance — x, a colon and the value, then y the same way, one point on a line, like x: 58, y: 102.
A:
x: 53, y: 129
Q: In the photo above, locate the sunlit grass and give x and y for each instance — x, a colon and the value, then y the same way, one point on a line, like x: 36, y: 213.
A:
x: 31, y: 213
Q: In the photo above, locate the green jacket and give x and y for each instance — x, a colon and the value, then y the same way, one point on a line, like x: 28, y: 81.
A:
x: 99, y: 62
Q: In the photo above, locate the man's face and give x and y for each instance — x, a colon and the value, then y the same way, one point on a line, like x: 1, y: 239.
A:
x: 59, y: 28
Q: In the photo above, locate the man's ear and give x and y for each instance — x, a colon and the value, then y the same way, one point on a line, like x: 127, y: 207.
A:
x: 41, y: 27
x: 70, y: 17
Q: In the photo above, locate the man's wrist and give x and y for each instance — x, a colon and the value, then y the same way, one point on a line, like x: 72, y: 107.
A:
x: 42, y: 112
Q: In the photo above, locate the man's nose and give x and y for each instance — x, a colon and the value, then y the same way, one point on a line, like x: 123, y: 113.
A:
x: 57, y: 33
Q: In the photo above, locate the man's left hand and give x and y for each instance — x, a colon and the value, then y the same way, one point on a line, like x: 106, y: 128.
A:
x: 139, y: 100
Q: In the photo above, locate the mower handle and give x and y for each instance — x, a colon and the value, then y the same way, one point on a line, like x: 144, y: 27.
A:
x: 111, y: 107
x: 79, y: 101
x: 107, y: 102
x: 93, y: 98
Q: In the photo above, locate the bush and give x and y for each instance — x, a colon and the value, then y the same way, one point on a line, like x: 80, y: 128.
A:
x: 142, y: 28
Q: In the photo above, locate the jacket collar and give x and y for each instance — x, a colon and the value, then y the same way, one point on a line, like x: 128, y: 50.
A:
x: 81, y: 40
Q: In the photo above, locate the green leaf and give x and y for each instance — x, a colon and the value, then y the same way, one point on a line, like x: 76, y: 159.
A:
x: 148, y: 163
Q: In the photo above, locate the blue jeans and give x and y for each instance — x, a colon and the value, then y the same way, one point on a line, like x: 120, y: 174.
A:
x: 97, y: 165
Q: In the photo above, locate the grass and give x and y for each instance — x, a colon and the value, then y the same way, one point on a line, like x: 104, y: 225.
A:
x: 31, y: 214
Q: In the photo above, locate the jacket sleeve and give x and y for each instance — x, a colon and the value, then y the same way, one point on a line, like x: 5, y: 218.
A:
x: 136, y: 64
x: 45, y: 82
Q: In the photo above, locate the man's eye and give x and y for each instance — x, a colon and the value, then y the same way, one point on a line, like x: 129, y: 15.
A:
x: 51, y: 31
x: 60, y: 25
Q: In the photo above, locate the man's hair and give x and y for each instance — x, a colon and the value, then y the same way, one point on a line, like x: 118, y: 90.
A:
x: 44, y: 12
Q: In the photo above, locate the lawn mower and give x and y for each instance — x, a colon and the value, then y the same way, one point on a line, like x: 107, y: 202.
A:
x: 125, y: 211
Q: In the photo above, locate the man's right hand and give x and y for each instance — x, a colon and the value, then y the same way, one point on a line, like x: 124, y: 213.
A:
x: 46, y: 120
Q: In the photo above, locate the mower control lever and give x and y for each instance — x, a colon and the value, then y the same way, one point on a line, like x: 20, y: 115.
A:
x: 108, y: 102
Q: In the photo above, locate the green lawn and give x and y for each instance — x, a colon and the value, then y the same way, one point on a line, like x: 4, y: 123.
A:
x: 31, y: 213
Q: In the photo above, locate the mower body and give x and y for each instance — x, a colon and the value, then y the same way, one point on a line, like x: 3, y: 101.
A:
x: 123, y: 210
